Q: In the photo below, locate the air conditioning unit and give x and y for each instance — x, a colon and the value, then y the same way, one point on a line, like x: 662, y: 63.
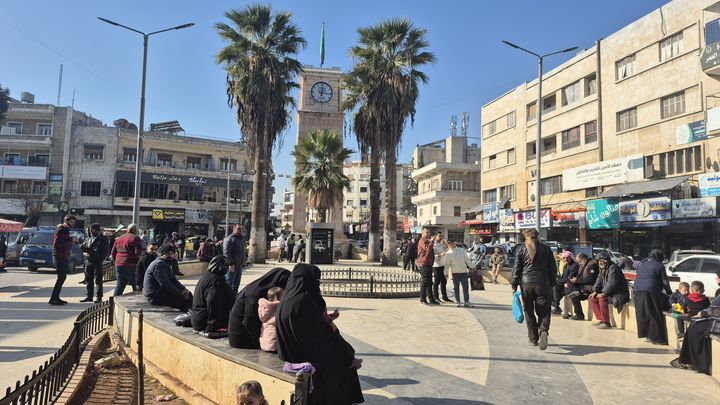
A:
x: 69, y: 194
x: 107, y: 191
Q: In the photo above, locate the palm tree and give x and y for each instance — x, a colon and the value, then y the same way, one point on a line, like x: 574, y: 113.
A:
x: 261, y: 68
x: 385, y: 81
x: 319, y: 159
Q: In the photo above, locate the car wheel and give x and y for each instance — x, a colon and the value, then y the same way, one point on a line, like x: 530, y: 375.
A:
x: 32, y: 268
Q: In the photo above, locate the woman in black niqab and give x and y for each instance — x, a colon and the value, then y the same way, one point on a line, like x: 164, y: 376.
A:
x: 244, y: 326
x: 304, y: 334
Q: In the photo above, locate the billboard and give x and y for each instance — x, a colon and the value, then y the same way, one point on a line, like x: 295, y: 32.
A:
x: 605, y: 173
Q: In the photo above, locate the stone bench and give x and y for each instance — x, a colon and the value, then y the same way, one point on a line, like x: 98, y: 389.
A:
x: 210, y: 369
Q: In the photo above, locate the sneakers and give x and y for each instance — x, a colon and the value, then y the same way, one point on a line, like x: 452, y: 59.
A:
x: 543, y: 341
x: 577, y: 318
x: 557, y: 311
x: 533, y: 343
x: 458, y: 305
x: 433, y: 302
x: 87, y: 299
x: 604, y: 325
x: 467, y: 305
x: 566, y: 316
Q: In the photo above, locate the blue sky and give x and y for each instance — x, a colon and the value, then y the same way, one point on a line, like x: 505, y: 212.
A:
x: 102, y: 63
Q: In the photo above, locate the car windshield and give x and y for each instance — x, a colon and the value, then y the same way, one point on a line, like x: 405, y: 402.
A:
x: 44, y: 238
x: 683, y: 255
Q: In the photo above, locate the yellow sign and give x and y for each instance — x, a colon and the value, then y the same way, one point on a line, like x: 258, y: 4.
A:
x: 157, y: 214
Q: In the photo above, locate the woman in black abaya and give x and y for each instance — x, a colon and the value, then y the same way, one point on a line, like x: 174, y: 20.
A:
x: 305, y: 334
x: 649, y: 300
x: 244, y: 326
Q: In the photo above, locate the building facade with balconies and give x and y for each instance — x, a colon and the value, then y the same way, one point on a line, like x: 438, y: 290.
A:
x: 448, y: 183
x: 356, y: 199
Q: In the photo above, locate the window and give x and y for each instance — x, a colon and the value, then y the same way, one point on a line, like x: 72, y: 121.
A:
x: 12, y: 159
x: 591, y: 132
x: 456, y: 211
x: 571, y: 138
x: 164, y: 159
x: 627, y: 119
x: 551, y: 185
x: 42, y: 160
x: 507, y: 191
x: 710, y: 266
x: 571, y: 93
x: 420, y: 212
x: 455, y: 185
x: 687, y: 266
x: 90, y: 189
x: 490, y: 196
x: 548, y: 104
x: 363, y: 203
x: 510, y: 119
x: 93, y: 152
x: 679, y: 161
x: 625, y: 67
x: 492, y: 128
x: 671, y: 47
x: 712, y: 32
x: 193, y: 162
x: 224, y: 165
x: 9, y: 186
x: 591, y: 192
x: 549, y: 145
x: 590, y: 84
x: 531, y: 110
x: 125, y: 189
x: 129, y: 155
x: 191, y: 193
x: 364, y: 176
x: 492, y: 161
x: 40, y: 187
x: 511, y: 156
x: 434, y: 209
x: 15, y: 127
x: 531, y: 151
x: 363, y: 189
x: 673, y: 105
x: 434, y: 184
x: 44, y: 129
x: 153, y: 190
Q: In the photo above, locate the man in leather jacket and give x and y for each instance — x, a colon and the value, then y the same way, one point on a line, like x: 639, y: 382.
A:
x: 535, y: 272
x: 96, y: 249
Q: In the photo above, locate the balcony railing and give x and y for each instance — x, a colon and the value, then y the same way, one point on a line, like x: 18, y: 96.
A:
x: 25, y: 162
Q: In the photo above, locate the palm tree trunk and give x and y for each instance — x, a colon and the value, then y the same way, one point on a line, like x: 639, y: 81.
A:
x: 322, y: 215
x: 389, y: 256
x: 257, y: 251
x: 374, y: 231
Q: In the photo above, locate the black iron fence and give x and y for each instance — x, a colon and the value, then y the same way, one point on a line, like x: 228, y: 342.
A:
x: 369, y: 283
x: 108, y: 272
x: 48, y: 381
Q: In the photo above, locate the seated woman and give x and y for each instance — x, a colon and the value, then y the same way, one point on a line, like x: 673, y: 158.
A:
x: 244, y: 325
x: 610, y: 287
x: 212, y: 299
x: 695, y: 353
x: 305, y: 333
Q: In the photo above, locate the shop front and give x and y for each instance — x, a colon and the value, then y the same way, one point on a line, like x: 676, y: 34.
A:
x: 166, y: 221
x: 506, y: 226
x: 568, y: 226
x: 197, y: 222
x: 694, y: 224
x: 526, y: 220
x: 603, y: 222
x: 642, y: 224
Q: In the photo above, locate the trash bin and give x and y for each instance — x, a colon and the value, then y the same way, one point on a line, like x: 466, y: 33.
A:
x: 320, y: 248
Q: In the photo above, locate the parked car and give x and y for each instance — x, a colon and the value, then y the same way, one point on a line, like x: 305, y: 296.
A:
x: 37, y: 252
x: 678, y: 255
x: 698, y: 267
x: 15, y: 245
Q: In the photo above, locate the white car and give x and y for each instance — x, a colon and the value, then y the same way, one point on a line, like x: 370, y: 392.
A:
x: 678, y: 255
x: 698, y: 267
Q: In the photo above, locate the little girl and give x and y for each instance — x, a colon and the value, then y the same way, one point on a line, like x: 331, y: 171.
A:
x: 266, y: 312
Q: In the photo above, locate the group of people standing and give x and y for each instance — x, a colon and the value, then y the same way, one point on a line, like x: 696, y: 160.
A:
x: 292, y: 248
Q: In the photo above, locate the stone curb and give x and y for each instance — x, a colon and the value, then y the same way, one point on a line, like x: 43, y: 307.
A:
x: 83, y: 366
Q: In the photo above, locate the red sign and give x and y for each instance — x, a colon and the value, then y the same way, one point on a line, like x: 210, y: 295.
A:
x: 406, y: 225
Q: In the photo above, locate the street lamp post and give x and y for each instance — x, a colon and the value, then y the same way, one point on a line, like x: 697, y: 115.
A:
x: 538, y: 137
x: 138, y: 152
x: 228, y: 155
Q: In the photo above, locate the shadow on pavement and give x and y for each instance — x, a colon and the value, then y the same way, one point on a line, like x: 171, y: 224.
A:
x: 384, y: 382
x: 9, y: 354
x: 584, y: 350
x: 376, y: 399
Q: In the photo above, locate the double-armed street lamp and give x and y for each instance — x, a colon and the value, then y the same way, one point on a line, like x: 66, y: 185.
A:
x: 538, y: 138
x: 138, y: 152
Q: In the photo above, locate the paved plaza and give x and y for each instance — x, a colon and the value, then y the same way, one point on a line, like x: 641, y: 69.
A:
x: 416, y: 354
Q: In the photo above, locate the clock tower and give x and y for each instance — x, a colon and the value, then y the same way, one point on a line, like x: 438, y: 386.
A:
x: 318, y: 108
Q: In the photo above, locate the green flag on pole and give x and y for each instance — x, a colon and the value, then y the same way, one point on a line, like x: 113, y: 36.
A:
x: 322, y: 45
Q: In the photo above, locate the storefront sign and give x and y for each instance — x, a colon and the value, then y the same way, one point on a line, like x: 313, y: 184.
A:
x: 197, y: 216
x: 482, y: 229
x: 168, y: 215
x: 200, y: 181
x: 647, y: 209
x: 23, y: 172
x: 55, y: 185
x: 406, y: 225
x: 490, y: 213
x: 694, y: 208
x: 691, y: 132
x: 507, y: 220
x: 526, y: 219
x: 567, y: 219
x: 602, y: 214
x: 604, y: 173
x: 710, y: 56
x: 710, y: 185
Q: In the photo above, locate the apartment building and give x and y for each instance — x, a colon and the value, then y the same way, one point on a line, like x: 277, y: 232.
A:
x: 356, y: 199
x: 448, y: 177
x: 629, y: 126
x: 286, y: 209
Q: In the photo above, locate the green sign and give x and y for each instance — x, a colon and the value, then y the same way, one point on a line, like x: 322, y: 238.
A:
x: 602, y: 214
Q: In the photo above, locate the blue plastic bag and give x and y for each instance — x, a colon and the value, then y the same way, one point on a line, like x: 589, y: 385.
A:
x: 517, y: 308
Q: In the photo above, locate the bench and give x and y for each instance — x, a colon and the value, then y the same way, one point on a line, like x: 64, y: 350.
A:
x: 209, y: 369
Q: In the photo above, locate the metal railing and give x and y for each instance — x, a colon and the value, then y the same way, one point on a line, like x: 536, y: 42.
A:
x: 349, y: 282
x: 109, y: 272
x: 48, y: 381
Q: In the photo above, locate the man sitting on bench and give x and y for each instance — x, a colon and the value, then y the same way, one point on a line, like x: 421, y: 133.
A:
x: 161, y: 287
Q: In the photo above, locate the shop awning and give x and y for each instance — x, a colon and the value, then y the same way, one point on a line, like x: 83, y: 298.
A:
x: 476, y: 208
x: 642, y: 187
x: 10, y: 226
x: 470, y: 222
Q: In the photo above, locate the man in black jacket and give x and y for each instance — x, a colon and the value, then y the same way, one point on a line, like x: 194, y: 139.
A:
x: 96, y: 249
x: 161, y: 287
x: 535, y: 272
x: 148, y: 256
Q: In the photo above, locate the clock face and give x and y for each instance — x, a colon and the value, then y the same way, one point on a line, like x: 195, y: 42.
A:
x: 321, y: 92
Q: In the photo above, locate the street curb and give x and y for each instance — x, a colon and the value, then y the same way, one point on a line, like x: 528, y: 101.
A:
x: 80, y: 372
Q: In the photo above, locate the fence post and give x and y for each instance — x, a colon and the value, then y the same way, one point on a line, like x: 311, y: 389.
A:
x: 372, y: 284
x: 111, y: 311
x: 141, y: 364
x: 76, y: 342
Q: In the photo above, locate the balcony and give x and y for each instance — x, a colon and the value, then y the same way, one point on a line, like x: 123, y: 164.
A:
x: 175, y: 167
x: 710, y: 59
x: 445, y: 192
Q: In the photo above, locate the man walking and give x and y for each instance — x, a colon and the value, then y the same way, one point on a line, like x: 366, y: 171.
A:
x: 425, y: 260
x: 535, y: 272
x: 62, y: 242
x: 281, y: 244
x: 125, y: 253
x: 234, y: 252
x: 95, y: 249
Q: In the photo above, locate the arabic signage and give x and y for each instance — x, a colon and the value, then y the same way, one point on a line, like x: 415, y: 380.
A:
x: 710, y: 185
x: 197, y: 216
x: 507, y: 220
x: 602, y: 214
x: 55, y: 184
x: 480, y: 229
x: 200, y: 181
x: 168, y: 215
x: 604, y: 173
x: 568, y: 219
x: 691, y: 132
x: 490, y: 213
x: 710, y: 56
x: 646, y: 209
x: 694, y: 208
x: 526, y: 219
x: 23, y: 172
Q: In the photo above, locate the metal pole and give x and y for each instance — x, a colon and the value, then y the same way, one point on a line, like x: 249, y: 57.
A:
x: 141, y: 362
x: 227, y: 203
x: 538, y: 145
x: 138, y: 152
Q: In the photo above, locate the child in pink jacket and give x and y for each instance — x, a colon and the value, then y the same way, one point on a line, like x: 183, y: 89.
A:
x: 266, y: 312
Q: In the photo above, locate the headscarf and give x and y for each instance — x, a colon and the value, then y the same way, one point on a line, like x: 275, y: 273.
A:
x: 218, y: 265
x: 531, y: 240
x: 565, y: 254
x: 305, y: 279
x: 657, y: 255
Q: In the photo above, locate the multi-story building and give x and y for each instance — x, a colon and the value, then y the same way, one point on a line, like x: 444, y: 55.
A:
x: 356, y: 199
x: 286, y: 209
x: 629, y: 124
x: 448, y: 177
